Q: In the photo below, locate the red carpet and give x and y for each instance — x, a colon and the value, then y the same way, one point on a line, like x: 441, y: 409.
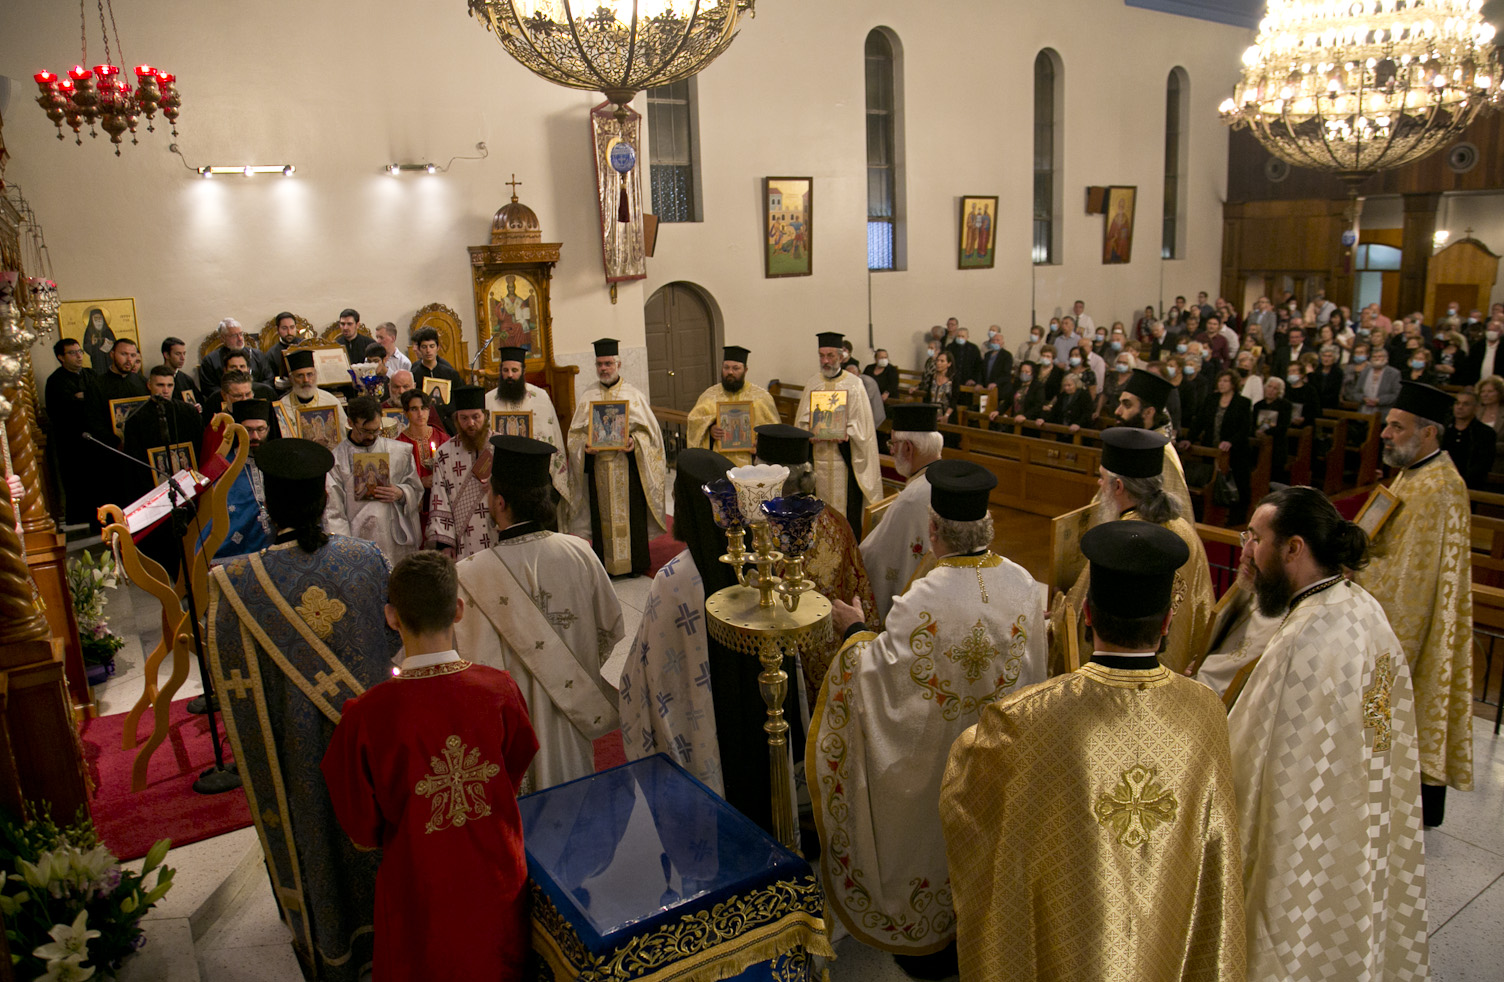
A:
x: 168, y: 807
x: 662, y: 549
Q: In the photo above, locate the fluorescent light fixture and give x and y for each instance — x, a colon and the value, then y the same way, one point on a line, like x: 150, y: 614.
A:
x: 424, y: 168
x: 248, y: 170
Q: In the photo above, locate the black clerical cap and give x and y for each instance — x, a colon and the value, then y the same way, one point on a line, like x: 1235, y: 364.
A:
x: 831, y: 339
x: 251, y: 409
x: 511, y: 353
x: 467, y: 397
x: 734, y: 352
x: 1133, y: 566
x: 520, y: 462
x: 607, y: 347
x: 914, y: 417
x: 299, y: 359
x: 959, y: 489
x: 1151, y: 389
x: 1128, y: 451
x: 1425, y: 401
x: 779, y: 443
x: 294, y: 466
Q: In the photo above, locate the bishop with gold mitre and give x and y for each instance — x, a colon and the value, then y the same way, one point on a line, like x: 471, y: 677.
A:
x: 1091, y: 821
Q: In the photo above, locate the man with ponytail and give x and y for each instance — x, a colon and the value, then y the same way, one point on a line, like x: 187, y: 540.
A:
x: 1325, y: 761
x: 1422, y: 575
x: 294, y: 631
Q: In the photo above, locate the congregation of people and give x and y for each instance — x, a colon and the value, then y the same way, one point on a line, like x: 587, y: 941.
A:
x: 1128, y: 780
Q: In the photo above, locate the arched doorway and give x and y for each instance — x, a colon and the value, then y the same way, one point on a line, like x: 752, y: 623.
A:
x: 681, y: 337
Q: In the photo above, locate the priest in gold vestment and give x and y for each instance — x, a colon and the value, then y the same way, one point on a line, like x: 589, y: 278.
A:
x: 705, y: 428
x: 1130, y: 485
x: 966, y: 635
x: 1324, y: 759
x: 1090, y: 821
x: 624, y: 489
x: 1421, y: 574
x: 1141, y: 403
x: 835, y: 407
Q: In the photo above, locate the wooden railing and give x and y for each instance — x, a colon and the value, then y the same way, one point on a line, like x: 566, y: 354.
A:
x: 786, y: 397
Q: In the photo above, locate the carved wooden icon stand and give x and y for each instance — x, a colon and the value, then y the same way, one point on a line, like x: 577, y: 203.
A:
x: 148, y: 574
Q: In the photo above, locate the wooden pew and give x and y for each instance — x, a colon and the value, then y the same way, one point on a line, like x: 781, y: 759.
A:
x: 1332, y: 433
x: 1298, y: 462
x: 1366, y: 453
x: 1036, y: 475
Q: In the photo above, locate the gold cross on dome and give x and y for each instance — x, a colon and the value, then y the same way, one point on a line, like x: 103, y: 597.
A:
x: 1377, y: 713
x: 1137, y: 806
x: 513, y: 183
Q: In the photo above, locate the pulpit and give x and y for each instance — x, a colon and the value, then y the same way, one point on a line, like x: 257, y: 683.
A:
x: 643, y: 873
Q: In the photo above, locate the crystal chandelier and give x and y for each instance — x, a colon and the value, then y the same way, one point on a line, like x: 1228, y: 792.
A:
x: 101, y: 95
x: 1360, y: 86
x: 618, y: 47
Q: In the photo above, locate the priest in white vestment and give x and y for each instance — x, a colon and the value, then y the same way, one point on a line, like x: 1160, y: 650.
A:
x: 1326, y: 762
x: 750, y: 406
x: 514, y: 394
x: 384, y: 508
x: 539, y: 605
x: 834, y: 407
x: 967, y: 634
x: 306, y: 394
x: 459, y: 514
x: 893, y: 549
x: 622, y: 490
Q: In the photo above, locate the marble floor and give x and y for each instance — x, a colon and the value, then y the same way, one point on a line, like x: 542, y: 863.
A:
x: 220, y: 923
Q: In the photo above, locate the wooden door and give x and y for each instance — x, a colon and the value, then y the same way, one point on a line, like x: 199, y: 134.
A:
x: 680, y: 339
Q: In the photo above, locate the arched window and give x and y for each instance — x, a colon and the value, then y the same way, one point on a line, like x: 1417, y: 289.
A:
x: 1177, y: 90
x: 1048, y: 78
x: 885, y: 183
x: 674, y: 151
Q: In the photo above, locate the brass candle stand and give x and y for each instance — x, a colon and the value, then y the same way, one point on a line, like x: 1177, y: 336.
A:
x: 770, y: 618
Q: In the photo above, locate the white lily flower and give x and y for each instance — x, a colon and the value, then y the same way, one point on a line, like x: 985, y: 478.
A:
x: 67, y: 970
x: 69, y: 943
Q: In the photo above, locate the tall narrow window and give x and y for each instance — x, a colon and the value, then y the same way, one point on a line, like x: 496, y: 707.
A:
x: 1175, y: 150
x: 1046, y: 157
x: 885, y: 247
x: 674, y: 151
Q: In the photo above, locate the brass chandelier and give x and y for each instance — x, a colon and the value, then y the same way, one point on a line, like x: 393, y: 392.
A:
x: 1359, y: 86
x: 618, y: 47
x: 102, y: 96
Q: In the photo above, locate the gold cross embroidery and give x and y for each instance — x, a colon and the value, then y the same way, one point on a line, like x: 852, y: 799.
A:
x: 271, y: 819
x: 327, y: 684
x: 1377, y: 713
x: 320, y: 611
x: 973, y: 653
x: 238, y: 684
x: 457, y: 786
x: 1137, y: 806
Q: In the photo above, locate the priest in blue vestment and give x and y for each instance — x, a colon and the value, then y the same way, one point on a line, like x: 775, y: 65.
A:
x: 294, y: 631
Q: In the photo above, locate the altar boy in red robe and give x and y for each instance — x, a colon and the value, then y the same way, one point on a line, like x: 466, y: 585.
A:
x: 426, y: 767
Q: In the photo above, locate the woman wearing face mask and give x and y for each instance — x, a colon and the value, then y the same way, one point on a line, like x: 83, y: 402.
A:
x: 1418, y: 367
x: 1305, y: 401
x: 1046, y: 387
x: 1013, y: 406
x: 1170, y: 369
x: 1142, y: 325
x: 927, y: 375
x: 1117, y: 375
x: 1079, y: 364
x: 941, y: 388
x: 1226, y: 423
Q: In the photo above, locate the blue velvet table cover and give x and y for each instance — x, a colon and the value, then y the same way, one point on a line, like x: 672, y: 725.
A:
x: 642, y: 874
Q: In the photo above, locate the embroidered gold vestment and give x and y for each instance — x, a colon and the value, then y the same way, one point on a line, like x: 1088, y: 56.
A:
x: 1092, y: 832
x: 1421, y: 574
x: 830, y: 466
x: 967, y: 634
x: 1191, y: 606
x: 705, y: 413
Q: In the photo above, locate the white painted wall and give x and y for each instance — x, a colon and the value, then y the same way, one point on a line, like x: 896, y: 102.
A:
x: 341, y: 88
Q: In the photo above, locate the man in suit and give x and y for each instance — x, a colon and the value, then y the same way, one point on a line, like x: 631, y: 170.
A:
x: 1484, y: 359
x: 174, y: 356
x: 212, y: 369
x: 1376, y: 387
x: 1292, y: 350
x: 884, y: 373
x: 997, y: 366
x: 967, y: 358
